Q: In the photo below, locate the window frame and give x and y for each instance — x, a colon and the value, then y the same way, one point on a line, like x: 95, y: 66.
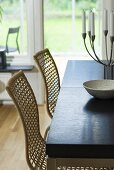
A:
x: 35, y: 32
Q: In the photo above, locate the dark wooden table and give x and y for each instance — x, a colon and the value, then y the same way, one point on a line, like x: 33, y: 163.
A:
x: 82, y: 126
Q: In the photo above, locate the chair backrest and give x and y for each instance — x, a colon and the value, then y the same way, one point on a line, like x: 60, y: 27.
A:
x: 13, y: 31
x: 51, y: 78
x: 22, y: 94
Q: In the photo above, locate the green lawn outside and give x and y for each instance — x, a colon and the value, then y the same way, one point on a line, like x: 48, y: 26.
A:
x: 58, y: 34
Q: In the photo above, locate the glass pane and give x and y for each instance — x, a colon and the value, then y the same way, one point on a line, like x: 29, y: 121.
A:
x: 63, y: 24
x: 57, y: 25
x: 14, y: 15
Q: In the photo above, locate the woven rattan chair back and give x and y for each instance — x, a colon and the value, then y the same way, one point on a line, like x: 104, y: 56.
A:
x: 22, y: 94
x: 51, y: 78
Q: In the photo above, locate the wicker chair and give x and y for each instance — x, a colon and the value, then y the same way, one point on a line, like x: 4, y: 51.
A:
x: 51, y: 78
x: 22, y: 94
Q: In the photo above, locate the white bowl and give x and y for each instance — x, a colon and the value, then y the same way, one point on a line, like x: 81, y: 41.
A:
x: 102, y: 89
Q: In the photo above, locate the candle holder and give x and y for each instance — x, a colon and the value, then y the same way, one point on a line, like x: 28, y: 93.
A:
x: 108, y: 63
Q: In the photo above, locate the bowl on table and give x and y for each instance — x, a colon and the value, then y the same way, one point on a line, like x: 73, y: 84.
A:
x: 102, y: 89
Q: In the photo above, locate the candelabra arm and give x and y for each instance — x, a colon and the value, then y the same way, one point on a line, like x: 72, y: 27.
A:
x: 105, y: 34
x: 92, y: 46
x: 98, y: 59
x: 89, y: 52
x: 112, y: 40
x: 90, y: 41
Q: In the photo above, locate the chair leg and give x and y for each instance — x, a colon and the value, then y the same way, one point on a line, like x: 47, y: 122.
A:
x: 18, y: 47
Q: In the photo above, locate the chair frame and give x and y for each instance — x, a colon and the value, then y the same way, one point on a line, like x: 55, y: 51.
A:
x: 13, y: 30
x: 39, y: 58
x: 22, y: 94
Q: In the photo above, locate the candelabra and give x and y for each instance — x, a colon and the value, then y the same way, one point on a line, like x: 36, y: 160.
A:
x: 108, y: 62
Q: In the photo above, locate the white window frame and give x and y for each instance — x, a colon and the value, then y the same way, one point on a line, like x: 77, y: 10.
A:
x: 35, y: 28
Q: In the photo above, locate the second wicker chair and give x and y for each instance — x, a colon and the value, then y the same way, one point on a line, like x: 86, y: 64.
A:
x: 51, y: 78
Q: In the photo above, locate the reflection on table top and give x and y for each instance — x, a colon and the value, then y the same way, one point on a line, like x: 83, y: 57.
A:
x: 79, y: 71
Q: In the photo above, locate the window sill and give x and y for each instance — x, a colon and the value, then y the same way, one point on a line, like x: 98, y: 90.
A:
x: 19, y: 60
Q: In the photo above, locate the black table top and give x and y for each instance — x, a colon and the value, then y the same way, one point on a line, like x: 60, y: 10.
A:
x: 82, y: 126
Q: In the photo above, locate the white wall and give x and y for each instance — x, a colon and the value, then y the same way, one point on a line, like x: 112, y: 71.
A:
x: 109, y: 5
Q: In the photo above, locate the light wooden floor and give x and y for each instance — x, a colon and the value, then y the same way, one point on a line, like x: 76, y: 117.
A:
x: 12, y: 148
